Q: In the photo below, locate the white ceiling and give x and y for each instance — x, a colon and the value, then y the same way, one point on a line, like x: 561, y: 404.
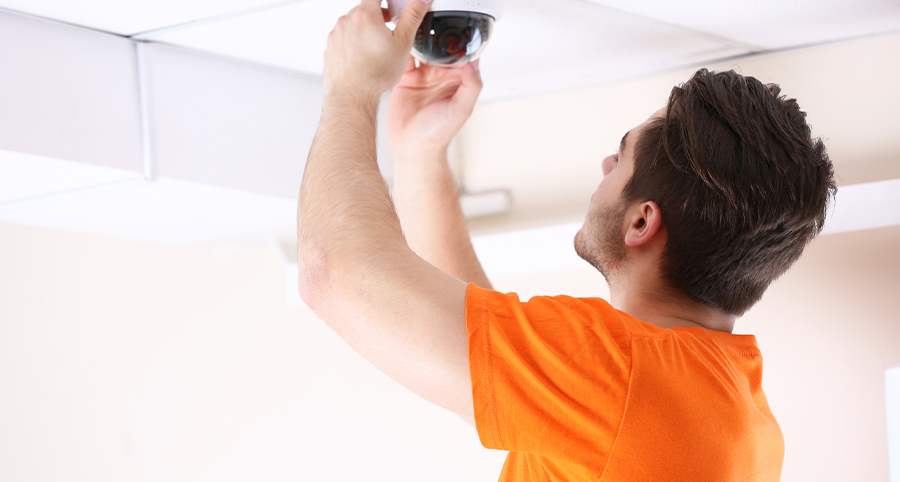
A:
x: 69, y: 108
x: 129, y: 17
x: 771, y: 24
x: 535, y: 43
x: 540, y: 45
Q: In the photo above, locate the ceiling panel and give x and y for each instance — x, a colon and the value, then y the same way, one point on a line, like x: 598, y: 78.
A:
x: 772, y: 24
x: 293, y: 36
x: 539, y: 46
x: 128, y: 17
x: 549, y: 45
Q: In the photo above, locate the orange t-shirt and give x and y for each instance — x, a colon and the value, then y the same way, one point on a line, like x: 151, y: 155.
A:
x: 576, y: 390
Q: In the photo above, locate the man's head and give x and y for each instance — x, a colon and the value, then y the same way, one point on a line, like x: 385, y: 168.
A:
x: 726, y: 181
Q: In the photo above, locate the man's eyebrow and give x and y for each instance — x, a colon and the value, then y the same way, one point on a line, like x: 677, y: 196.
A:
x: 622, y: 144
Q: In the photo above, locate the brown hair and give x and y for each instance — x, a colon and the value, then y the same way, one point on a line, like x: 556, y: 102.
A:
x: 741, y: 184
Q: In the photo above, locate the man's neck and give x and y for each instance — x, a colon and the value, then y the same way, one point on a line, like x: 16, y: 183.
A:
x: 669, y: 311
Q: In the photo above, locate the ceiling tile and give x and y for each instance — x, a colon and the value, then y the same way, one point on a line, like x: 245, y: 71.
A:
x: 539, y: 46
x: 293, y: 36
x: 772, y: 24
x: 128, y: 17
x: 543, y: 46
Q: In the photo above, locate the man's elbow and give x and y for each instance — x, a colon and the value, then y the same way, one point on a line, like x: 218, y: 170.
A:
x: 311, y: 292
x: 313, y: 282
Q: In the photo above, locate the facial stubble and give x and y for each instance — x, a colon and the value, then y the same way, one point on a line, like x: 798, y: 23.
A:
x: 603, y: 246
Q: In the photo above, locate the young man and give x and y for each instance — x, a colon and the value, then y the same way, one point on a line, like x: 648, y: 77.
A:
x: 706, y: 203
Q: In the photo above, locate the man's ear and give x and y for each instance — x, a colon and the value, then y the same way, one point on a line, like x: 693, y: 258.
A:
x: 644, y: 223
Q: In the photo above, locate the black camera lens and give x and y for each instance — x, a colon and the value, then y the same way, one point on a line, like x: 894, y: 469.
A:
x: 452, y: 38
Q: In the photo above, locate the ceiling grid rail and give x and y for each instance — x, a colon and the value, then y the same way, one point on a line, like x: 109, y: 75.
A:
x: 143, y: 81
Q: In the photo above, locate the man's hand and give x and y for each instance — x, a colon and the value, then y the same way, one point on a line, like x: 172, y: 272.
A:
x: 364, y: 57
x: 429, y: 106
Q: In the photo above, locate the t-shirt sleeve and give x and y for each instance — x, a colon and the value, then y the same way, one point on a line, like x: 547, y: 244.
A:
x: 549, y: 376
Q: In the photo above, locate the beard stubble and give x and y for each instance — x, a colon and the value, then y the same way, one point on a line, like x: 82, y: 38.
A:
x: 603, y: 246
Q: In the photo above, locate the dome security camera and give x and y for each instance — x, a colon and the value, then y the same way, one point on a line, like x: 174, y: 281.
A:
x: 454, y: 32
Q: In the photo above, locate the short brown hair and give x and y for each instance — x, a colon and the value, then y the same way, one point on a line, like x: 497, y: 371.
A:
x: 741, y: 184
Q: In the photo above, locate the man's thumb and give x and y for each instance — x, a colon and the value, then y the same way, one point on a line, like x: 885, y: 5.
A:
x: 411, y: 18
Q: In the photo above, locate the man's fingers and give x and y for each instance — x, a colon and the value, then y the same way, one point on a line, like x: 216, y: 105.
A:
x: 411, y: 18
x: 465, y: 97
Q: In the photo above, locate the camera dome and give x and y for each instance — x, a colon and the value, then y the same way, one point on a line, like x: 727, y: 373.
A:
x: 454, y: 32
x: 452, y: 38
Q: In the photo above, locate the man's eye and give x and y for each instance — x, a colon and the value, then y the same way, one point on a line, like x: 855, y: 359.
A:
x: 609, y: 163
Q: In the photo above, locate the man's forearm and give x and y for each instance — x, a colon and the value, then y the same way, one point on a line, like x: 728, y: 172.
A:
x: 428, y: 205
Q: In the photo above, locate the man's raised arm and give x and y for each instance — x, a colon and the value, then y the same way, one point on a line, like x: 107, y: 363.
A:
x: 356, y: 270
x: 427, y: 109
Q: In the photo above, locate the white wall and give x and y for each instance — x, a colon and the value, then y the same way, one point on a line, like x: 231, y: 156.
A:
x: 68, y: 93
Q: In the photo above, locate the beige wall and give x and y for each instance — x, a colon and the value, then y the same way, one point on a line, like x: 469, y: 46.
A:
x: 829, y: 330
x: 127, y: 361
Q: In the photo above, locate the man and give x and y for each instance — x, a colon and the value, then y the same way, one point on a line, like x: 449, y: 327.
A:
x: 704, y: 205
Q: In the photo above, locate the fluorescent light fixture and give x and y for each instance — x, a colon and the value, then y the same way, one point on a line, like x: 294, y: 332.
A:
x: 528, y: 251
x: 29, y: 178
x: 476, y: 205
x: 892, y: 402
x: 862, y: 206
